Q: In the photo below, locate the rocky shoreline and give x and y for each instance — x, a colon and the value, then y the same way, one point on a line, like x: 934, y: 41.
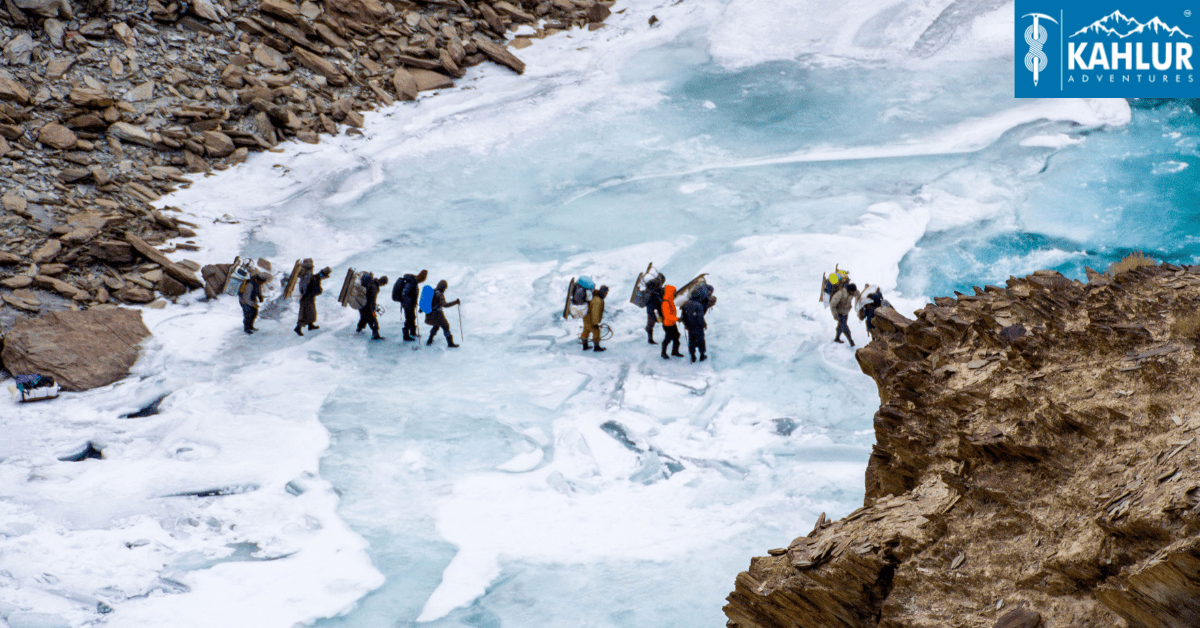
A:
x: 105, y: 107
x: 1036, y: 464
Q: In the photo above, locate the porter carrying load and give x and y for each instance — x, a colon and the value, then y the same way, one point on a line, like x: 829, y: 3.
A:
x: 579, y: 294
x: 833, y: 282
x: 684, y: 294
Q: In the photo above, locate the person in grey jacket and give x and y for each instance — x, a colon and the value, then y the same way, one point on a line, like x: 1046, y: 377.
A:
x: 840, y: 306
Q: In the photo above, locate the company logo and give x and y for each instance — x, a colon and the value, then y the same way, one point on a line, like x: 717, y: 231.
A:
x: 1069, y: 49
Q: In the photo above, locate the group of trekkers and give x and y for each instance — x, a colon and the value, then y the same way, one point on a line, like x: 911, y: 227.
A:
x: 842, y: 296
x: 406, y: 292
x: 659, y: 303
x: 837, y: 291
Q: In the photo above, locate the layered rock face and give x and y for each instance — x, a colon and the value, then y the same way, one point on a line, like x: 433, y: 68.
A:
x: 1036, y: 465
x: 82, y: 350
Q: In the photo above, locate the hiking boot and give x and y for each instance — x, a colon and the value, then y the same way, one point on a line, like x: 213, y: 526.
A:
x: 377, y: 337
x: 703, y: 357
x: 248, y: 331
x: 408, y: 337
x: 429, y: 342
x: 666, y: 357
x: 852, y: 343
x: 312, y: 327
x: 298, y: 332
x: 650, y: 337
x: 676, y: 353
x: 838, y: 340
x: 599, y: 348
x: 693, y: 358
x: 586, y: 346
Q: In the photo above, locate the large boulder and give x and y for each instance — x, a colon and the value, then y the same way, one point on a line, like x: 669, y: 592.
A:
x: 82, y: 350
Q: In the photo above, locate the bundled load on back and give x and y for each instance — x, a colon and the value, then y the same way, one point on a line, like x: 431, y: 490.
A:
x: 34, y: 387
x: 833, y: 282
x: 354, y: 291
x: 579, y: 293
x: 699, y: 285
x: 645, y: 284
x: 241, y: 271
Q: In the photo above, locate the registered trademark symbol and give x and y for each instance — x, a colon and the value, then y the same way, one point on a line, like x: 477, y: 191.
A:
x: 1187, y: 13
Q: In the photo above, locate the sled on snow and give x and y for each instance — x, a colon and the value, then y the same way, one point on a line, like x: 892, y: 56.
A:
x: 34, y: 387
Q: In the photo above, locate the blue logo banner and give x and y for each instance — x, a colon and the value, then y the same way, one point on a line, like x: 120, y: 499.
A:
x: 1073, y: 49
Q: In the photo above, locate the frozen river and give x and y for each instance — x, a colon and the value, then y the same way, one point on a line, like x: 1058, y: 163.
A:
x: 519, y: 481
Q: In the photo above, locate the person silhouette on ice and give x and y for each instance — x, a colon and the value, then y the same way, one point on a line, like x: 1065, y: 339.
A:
x: 436, y: 317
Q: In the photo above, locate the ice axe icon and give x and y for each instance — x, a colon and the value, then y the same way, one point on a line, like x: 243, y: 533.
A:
x: 1035, y: 36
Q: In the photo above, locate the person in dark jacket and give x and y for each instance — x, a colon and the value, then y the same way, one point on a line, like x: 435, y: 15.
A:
x: 654, y: 300
x: 692, y: 315
x: 310, y: 287
x: 366, y: 315
x: 436, y: 318
x: 866, y: 309
x: 593, y: 318
x: 408, y: 294
x: 249, y: 297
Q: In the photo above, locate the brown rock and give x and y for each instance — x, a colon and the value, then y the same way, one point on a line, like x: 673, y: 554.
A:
x: 514, y: 12
x: 73, y: 175
x: 129, y: 133
x: 57, y: 285
x: 308, y: 137
x: 239, y: 155
x: 57, y: 136
x: 56, y: 68
x: 218, y: 144
x: 3, y: 146
x: 206, y: 9
x: 180, y: 273
x: 86, y: 121
x: 15, y: 203
x: 89, y: 97
x: 100, y: 176
x: 427, y: 80
x: 13, y: 91
x: 46, y: 252
x: 260, y: 92
x: 112, y: 251
x: 11, y: 131
x: 145, y: 91
x: 20, y: 281
x: 193, y: 162
x: 493, y: 20
x: 320, y: 65
x: 355, y: 119
x: 598, y: 13
x: 52, y: 270
x: 405, y: 84
x: 270, y: 58
x: 448, y: 63
x: 125, y: 34
x: 134, y: 294
x: 365, y: 11
x: 9, y: 258
x: 1020, y: 618
x: 81, y: 350
x: 499, y: 54
x: 80, y: 235
x: 171, y: 288
x: 281, y: 8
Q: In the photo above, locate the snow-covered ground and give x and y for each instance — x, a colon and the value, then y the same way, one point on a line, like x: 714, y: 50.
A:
x: 518, y: 481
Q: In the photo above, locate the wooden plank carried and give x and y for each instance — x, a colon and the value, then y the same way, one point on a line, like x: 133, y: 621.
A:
x: 567, y: 303
x: 638, y: 283
x: 824, y: 280
x: 346, y: 287
x: 232, y: 267
x: 292, y: 280
x: 686, y: 291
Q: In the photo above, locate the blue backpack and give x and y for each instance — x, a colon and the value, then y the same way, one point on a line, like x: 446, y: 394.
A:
x: 426, y: 302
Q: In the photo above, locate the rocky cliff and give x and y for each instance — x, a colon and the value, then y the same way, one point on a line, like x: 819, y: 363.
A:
x: 1036, y: 465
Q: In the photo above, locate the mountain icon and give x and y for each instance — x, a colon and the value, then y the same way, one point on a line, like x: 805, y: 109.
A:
x: 1122, y: 26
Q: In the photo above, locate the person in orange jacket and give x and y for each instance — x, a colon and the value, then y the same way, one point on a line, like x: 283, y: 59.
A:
x: 670, y: 318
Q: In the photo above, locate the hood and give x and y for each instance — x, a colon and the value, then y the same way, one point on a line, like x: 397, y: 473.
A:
x: 442, y: 285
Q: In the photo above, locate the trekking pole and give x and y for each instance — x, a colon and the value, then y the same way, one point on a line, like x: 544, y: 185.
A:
x: 460, y: 331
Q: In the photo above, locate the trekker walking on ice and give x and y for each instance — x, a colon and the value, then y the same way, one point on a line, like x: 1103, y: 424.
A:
x: 654, y: 301
x: 840, y: 306
x: 593, y: 318
x: 366, y: 314
x: 405, y: 292
x: 670, y: 320
x: 693, y: 320
x: 249, y: 297
x: 437, y: 318
x: 310, y: 288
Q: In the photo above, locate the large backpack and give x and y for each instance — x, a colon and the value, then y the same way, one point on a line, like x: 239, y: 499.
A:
x: 399, y: 287
x: 357, y: 296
